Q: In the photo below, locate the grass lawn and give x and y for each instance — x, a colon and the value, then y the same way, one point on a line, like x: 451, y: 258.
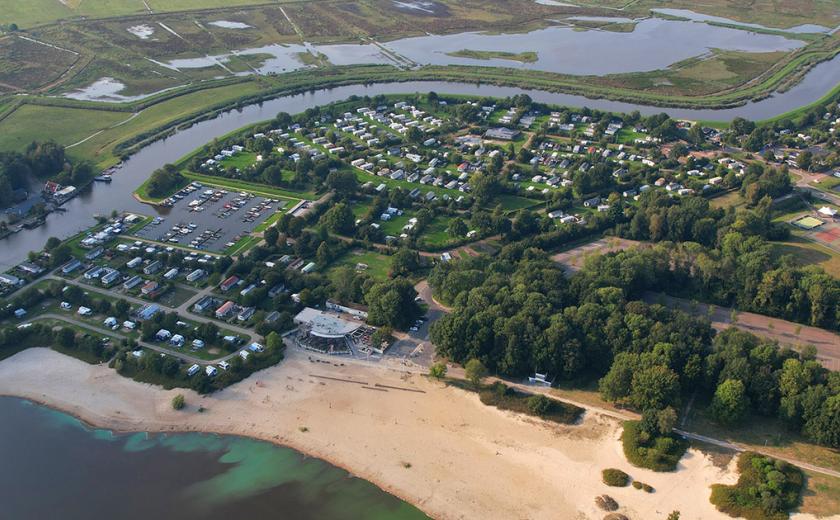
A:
x: 828, y: 184
x: 806, y: 252
x: 176, y: 295
x: 265, y: 224
x: 252, y: 187
x: 34, y: 12
x: 378, y: 265
x: 763, y: 433
x: 241, y: 161
x: 244, y: 244
x: 821, y: 496
x: 515, y: 202
x: 66, y: 125
x: 435, y: 234
x: 71, y: 125
x: 731, y: 199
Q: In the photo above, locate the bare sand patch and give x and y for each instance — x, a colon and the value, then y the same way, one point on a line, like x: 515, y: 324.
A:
x: 466, y: 460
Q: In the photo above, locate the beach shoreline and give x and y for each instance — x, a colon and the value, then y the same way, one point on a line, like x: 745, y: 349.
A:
x: 435, y: 447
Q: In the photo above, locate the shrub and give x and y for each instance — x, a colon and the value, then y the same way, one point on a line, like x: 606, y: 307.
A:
x: 505, y: 398
x: 438, y: 370
x: 606, y: 502
x: 615, y: 477
x: 767, y: 489
x: 178, y: 402
x: 656, y: 452
x: 637, y: 484
x: 539, y: 404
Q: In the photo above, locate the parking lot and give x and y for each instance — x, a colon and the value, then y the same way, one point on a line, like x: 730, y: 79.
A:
x: 210, y: 219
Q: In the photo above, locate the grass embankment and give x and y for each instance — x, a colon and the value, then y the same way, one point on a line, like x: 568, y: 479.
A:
x: 504, y: 397
x: 110, y: 130
x: 660, y: 453
x: 292, y: 197
x: 767, y: 489
x: 523, y: 57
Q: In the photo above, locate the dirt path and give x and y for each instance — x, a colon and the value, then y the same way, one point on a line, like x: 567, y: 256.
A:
x: 574, y: 259
x: 785, y: 332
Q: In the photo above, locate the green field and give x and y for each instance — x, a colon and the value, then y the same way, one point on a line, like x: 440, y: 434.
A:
x: 27, y: 13
x: 67, y: 126
x: 71, y: 125
x: 378, y: 265
x: 522, y: 57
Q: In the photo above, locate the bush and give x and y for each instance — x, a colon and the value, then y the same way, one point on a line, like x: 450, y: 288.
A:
x: 615, y: 477
x: 606, y: 502
x: 539, y: 404
x: 438, y: 370
x: 656, y: 452
x: 767, y: 489
x: 505, y: 398
x: 178, y: 402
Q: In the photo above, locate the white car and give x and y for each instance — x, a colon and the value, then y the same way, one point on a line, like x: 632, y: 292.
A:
x: 224, y: 365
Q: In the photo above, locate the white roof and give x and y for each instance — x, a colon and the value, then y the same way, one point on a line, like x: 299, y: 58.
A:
x: 325, y: 325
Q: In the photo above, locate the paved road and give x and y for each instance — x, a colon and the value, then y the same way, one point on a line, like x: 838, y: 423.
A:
x: 157, y: 348
x: 182, y: 310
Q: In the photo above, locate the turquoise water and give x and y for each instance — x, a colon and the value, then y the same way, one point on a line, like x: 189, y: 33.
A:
x: 54, y: 467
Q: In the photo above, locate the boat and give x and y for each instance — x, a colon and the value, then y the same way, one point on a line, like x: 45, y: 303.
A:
x: 103, y: 178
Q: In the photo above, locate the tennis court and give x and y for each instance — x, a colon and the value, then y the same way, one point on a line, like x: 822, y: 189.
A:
x: 808, y: 223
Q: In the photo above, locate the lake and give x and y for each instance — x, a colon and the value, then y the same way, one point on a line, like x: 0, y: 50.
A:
x: 53, y: 466
x: 652, y: 44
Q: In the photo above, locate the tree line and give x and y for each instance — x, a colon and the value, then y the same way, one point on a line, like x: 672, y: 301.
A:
x: 518, y: 314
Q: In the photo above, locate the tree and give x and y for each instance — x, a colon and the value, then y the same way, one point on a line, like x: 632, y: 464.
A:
x: 438, y: 370
x: 208, y: 331
x: 382, y: 337
x: 404, y: 262
x: 344, y: 182
x: 66, y: 337
x: 340, y: 219
x: 60, y: 254
x: 655, y: 387
x: 52, y: 243
x: 730, y: 401
x: 457, y: 228
x: 273, y: 341
x: 323, y: 255
x: 674, y: 515
x: 475, y: 371
x: 805, y: 160
x: 392, y: 303
x: 178, y: 402
x: 163, y: 181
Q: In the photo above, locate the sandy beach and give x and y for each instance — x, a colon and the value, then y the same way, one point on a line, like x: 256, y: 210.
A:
x: 436, y: 447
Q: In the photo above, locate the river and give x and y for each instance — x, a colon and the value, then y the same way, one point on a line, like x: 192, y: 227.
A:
x: 102, y: 198
x: 53, y: 466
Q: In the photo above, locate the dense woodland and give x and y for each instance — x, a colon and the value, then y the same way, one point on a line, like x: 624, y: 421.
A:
x: 22, y: 171
x: 518, y: 314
